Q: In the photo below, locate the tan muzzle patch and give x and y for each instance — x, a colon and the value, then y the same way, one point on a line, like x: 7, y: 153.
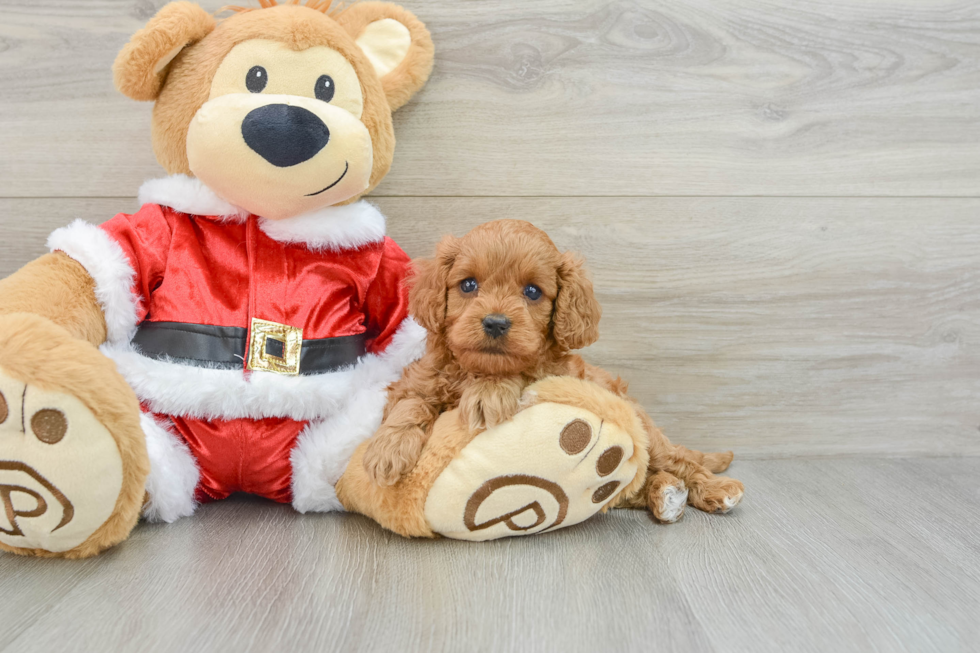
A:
x: 337, y: 168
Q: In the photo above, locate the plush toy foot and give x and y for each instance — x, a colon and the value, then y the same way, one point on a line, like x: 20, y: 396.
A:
x: 667, y: 497
x: 73, y: 461
x: 574, y: 451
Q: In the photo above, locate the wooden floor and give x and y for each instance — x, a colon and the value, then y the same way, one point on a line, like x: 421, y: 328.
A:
x: 780, y: 205
x: 823, y: 555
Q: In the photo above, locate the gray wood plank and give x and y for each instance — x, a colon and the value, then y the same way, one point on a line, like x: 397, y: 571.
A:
x: 562, y: 97
x: 778, y: 327
x: 823, y: 555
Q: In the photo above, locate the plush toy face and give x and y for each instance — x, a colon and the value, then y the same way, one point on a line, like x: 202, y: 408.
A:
x: 280, y: 110
x: 503, y: 298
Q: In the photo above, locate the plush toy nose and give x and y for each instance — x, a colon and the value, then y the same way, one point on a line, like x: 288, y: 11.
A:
x: 284, y: 135
x: 495, y: 325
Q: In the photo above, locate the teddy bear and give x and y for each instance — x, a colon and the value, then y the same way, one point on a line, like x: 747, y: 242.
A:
x: 238, y: 333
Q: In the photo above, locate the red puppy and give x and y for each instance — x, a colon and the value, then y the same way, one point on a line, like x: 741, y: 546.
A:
x: 504, y: 308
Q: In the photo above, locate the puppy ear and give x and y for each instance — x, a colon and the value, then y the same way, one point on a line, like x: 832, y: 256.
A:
x: 141, y: 67
x: 396, y: 43
x: 427, y: 298
x: 575, y: 323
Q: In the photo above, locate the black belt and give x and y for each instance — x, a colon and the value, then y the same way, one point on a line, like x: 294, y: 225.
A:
x: 224, y: 347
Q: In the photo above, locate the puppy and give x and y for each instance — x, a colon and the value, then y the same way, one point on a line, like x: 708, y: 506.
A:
x: 504, y: 308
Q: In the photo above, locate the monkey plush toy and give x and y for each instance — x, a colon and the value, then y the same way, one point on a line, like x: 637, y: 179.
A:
x: 238, y: 332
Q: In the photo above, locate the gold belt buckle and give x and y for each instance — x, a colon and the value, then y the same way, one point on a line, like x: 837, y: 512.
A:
x: 274, y: 347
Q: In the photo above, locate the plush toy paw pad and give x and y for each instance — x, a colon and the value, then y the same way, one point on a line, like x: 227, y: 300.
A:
x: 549, y: 467
x: 60, y: 469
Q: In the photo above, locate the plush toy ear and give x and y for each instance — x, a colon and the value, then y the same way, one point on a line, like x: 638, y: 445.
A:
x: 575, y: 323
x: 427, y: 298
x: 141, y: 67
x: 396, y: 43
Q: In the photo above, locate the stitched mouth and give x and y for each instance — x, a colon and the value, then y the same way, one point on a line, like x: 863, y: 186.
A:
x: 346, y: 168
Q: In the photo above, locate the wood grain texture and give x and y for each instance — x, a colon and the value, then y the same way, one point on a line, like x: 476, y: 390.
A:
x: 843, y: 323
x: 572, y: 97
x: 777, y: 327
x: 832, y: 555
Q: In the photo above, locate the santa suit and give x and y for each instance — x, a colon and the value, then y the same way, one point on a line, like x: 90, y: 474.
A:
x: 260, y: 350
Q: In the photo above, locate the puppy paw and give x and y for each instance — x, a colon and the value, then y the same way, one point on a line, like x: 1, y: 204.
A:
x: 392, y: 453
x: 471, y: 416
x: 666, y: 497
x: 719, y: 494
x: 485, y: 404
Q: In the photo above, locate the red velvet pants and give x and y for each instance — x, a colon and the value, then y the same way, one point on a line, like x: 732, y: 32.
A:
x: 240, y: 455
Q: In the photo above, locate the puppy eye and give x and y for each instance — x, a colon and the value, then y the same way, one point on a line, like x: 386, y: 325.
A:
x: 256, y: 79
x: 468, y: 285
x: 532, y: 292
x: 324, y: 88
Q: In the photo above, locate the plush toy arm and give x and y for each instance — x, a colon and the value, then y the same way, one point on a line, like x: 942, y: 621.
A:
x: 57, y: 288
x: 123, y: 259
x: 92, y: 282
x: 488, y: 402
x: 386, y: 303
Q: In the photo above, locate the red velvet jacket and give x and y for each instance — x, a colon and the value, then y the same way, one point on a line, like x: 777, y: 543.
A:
x: 204, y: 270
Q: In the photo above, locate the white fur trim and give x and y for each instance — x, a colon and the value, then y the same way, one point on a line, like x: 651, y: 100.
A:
x: 188, y: 195
x: 330, y: 228
x: 171, y: 388
x: 324, y: 448
x: 173, y: 474
x: 108, y: 266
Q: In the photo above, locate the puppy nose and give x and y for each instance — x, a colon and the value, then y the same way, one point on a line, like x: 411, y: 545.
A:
x: 284, y: 135
x: 496, y: 325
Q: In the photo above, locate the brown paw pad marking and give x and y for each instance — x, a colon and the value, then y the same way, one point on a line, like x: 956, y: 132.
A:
x: 8, y: 491
x: 604, y: 492
x: 607, y: 464
x: 575, y: 437
x: 494, y: 484
x: 609, y: 461
x: 49, y: 425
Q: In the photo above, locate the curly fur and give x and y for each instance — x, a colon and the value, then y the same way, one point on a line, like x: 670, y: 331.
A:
x: 486, y: 377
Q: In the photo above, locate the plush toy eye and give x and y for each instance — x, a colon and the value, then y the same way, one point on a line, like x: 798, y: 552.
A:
x: 468, y: 285
x: 324, y: 88
x: 256, y: 79
x: 532, y: 292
